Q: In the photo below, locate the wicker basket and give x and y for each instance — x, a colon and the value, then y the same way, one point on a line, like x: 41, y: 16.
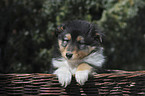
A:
x: 118, y: 83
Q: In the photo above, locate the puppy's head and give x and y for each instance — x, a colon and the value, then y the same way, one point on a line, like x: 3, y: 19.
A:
x: 77, y: 39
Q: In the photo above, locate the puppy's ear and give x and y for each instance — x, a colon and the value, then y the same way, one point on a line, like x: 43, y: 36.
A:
x: 60, y: 28
x: 99, y: 37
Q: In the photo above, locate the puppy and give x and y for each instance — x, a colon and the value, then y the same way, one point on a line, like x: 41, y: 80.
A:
x: 79, y: 44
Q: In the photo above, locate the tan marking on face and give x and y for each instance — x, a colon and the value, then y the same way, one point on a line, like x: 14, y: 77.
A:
x: 97, y: 34
x: 83, y: 67
x: 61, y: 48
x: 68, y: 36
x: 91, y: 48
x: 79, y: 38
x: 64, y: 52
x: 80, y: 54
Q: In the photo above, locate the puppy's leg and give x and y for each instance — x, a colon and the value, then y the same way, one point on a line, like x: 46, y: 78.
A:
x: 82, y: 72
x: 64, y: 76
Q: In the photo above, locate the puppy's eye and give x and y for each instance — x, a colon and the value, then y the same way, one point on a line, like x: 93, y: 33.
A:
x: 82, y: 44
x: 65, y: 39
x: 65, y: 42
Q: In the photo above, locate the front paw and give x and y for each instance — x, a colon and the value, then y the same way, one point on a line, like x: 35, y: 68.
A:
x: 64, y: 76
x: 82, y: 76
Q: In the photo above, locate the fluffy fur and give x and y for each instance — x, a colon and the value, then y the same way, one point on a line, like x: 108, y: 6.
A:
x: 79, y: 44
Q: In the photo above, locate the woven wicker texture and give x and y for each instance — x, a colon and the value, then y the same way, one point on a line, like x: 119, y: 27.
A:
x: 118, y: 83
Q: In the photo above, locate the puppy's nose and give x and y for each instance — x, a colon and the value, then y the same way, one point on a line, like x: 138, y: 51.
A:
x: 69, y: 55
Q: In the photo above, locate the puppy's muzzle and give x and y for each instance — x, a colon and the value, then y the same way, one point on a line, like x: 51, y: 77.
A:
x: 69, y: 55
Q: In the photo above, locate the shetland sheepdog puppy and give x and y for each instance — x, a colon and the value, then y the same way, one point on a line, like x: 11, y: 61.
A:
x: 79, y: 45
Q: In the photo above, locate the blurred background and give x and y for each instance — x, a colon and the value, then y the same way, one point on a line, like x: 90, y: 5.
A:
x: 27, y: 30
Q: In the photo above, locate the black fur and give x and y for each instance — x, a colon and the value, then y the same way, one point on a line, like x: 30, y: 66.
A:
x: 82, y: 28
